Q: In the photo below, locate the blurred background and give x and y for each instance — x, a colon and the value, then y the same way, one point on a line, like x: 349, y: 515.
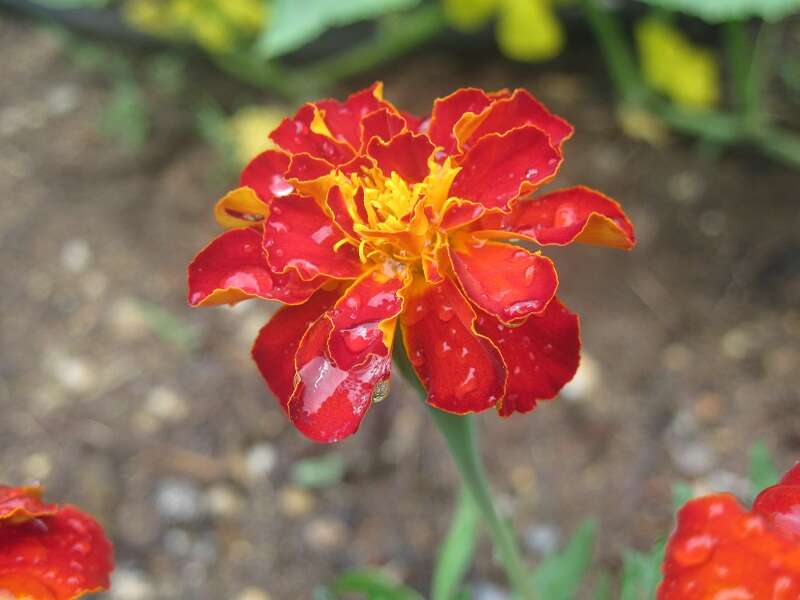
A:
x: 122, y: 121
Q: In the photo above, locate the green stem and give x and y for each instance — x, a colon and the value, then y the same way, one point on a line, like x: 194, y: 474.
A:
x: 740, y: 57
x: 461, y: 437
x: 617, y: 52
x: 396, y: 36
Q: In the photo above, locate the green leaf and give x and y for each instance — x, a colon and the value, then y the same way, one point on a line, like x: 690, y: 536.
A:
x: 319, y: 472
x: 681, y: 494
x: 169, y: 327
x: 372, y: 585
x: 558, y: 577
x: 126, y: 117
x: 761, y: 471
x: 294, y: 23
x: 602, y: 586
x: 641, y: 573
x: 718, y: 11
x: 455, y: 554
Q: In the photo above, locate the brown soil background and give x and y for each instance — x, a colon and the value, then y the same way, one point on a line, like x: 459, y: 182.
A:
x: 180, y: 451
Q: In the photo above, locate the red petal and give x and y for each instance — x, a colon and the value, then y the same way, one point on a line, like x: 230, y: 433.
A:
x: 299, y: 236
x: 507, y: 281
x: 341, y: 215
x: 500, y: 168
x: 344, y: 118
x: 461, y: 369
x: 383, y: 124
x: 277, y: 342
x: 295, y: 136
x: 718, y: 550
x: 58, y: 557
x: 329, y: 403
x: 509, y: 113
x: 780, y: 504
x: 19, y: 504
x: 541, y: 355
x: 264, y: 174
x: 359, y: 317
x: 576, y: 214
x: 406, y: 154
x: 233, y: 268
x: 447, y: 111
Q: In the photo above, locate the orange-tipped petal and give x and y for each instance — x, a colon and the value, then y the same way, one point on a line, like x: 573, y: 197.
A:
x: 19, y: 504
x: 501, y: 167
x: 405, y: 154
x: 264, y: 174
x: 507, y: 281
x: 241, y: 207
x: 541, y: 355
x: 295, y: 135
x: 461, y: 370
x: 60, y: 556
x: 447, y: 112
x: 277, y: 342
x: 508, y: 113
x: 233, y: 268
x: 299, y: 236
x: 576, y: 214
x: 383, y: 124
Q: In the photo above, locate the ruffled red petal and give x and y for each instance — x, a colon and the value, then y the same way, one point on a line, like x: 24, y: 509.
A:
x: 780, y: 504
x: 507, y: 281
x: 405, y: 154
x: 298, y: 235
x: 541, y: 355
x: 576, y: 214
x: 501, y: 167
x: 264, y: 174
x: 294, y: 135
x: 20, y: 504
x: 383, y: 124
x: 277, y: 342
x: 447, y: 111
x: 508, y: 113
x: 719, y: 550
x: 60, y: 556
x: 344, y: 118
x: 461, y: 370
x: 233, y: 268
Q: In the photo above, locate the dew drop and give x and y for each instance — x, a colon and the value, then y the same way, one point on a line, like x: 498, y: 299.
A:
x: 528, y: 275
x: 469, y: 384
x: 531, y: 173
x: 695, y: 550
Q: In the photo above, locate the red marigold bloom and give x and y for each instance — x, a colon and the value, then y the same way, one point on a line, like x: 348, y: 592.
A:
x: 365, y: 218
x: 49, y: 552
x: 720, y: 551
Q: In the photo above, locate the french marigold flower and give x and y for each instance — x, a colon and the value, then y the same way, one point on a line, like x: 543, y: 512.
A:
x: 365, y: 218
x: 49, y: 552
x: 719, y: 550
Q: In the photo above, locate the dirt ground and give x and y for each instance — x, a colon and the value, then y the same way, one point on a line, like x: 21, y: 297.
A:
x: 121, y: 399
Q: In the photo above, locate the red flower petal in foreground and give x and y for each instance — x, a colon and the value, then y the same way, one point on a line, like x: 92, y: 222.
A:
x: 721, y: 551
x: 371, y: 216
x: 48, y: 552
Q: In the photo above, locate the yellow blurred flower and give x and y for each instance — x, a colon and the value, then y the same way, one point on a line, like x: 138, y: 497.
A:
x: 216, y: 25
x: 673, y: 65
x: 526, y: 30
x: 247, y: 128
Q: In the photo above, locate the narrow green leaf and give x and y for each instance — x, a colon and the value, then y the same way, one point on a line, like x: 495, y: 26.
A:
x: 372, y: 585
x: 559, y: 576
x: 456, y: 551
x: 320, y: 471
x: 761, y: 471
x: 602, y: 586
x: 641, y: 573
x: 295, y: 23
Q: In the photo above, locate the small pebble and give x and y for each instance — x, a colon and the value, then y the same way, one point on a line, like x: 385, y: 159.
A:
x: 542, y: 539
x: 325, y: 533
x: 165, y: 404
x: 130, y: 584
x: 223, y: 502
x: 73, y: 373
x: 37, y: 466
x: 585, y: 382
x: 260, y: 461
x: 76, y: 255
x: 736, y: 344
x: 253, y: 593
x: 484, y: 590
x: 178, y: 501
x: 295, y: 502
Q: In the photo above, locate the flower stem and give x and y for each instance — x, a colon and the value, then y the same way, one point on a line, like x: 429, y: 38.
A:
x: 461, y: 437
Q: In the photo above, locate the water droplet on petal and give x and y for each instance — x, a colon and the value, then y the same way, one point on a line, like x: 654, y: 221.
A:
x: 469, y: 384
x: 528, y: 275
x: 695, y: 550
